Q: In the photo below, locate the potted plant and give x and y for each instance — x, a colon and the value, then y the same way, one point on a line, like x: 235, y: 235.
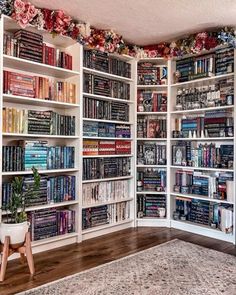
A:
x: 16, y: 224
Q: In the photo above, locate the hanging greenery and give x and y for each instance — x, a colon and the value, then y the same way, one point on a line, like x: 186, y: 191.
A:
x: 57, y: 22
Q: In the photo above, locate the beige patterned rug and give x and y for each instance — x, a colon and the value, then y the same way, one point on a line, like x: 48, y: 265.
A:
x: 172, y: 268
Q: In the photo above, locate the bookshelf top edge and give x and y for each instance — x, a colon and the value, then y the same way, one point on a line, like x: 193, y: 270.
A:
x: 10, y: 25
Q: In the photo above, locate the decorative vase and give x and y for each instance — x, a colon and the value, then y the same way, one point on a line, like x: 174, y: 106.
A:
x: 16, y: 232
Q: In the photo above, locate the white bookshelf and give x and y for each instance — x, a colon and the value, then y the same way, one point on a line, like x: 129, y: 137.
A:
x: 76, y: 76
x: 20, y: 65
x: 113, y: 226
x: 151, y: 221
x: 173, y: 113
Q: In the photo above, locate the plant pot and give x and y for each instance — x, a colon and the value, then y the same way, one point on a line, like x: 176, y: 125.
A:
x: 16, y: 232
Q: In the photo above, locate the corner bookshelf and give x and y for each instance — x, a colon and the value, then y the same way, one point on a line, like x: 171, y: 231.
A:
x: 202, y: 112
x: 62, y: 107
x: 151, y: 181
x: 107, y: 95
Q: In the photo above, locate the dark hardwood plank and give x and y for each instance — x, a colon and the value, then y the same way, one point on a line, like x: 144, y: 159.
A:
x: 55, y: 264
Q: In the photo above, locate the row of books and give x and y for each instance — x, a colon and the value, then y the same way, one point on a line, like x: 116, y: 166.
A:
x: 38, y: 154
x: 102, y: 61
x: 30, y: 46
x: 51, y: 190
x: 151, y: 127
x: 221, y: 93
x: 211, y: 124
x: 192, y: 154
x: 97, y: 85
x: 20, y: 84
x: 106, y: 214
x: 151, y: 101
x: 100, y: 129
x: 106, y: 191
x: 151, y: 179
x: 37, y: 122
x: 105, y: 110
x: 217, y: 216
x: 97, y: 168
x: 106, y: 147
x: 151, y: 206
x: 215, y: 186
x: 151, y: 153
x: 49, y: 223
x: 218, y: 63
x: 151, y: 74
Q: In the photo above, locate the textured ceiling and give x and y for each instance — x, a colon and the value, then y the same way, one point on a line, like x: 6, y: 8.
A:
x: 146, y: 22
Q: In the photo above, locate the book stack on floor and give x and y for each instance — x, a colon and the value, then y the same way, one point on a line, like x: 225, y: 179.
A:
x: 100, y: 129
x: 51, y: 222
x: 151, y: 206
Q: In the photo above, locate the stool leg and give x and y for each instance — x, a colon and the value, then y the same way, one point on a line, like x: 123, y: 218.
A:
x: 29, y: 255
x: 22, y: 258
x: 5, y: 254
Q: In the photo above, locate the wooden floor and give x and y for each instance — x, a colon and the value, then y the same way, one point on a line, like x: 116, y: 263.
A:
x: 55, y: 264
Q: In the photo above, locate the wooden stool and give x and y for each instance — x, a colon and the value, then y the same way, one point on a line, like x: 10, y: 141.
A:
x: 24, y: 250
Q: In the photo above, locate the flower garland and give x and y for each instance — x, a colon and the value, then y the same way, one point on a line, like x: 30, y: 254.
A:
x: 57, y: 22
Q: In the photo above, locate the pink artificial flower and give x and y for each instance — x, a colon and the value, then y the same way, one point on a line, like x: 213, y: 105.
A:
x: 152, y: 53
x: 19, y: 6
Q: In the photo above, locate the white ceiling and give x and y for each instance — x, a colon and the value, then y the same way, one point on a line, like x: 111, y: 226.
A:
x: 144, y: 22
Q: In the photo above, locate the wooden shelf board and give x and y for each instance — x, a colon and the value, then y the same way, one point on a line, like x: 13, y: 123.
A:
x: 38, y: 102
x: 203, y: 110
x: 109, y: 156
x: 107, y: 138
x: 202, y: 168
x: 38, y: 68
x: 102, y: 97
x: 97, y: 228
x: 107, y: 179
x: 47, y: 206
x: 7, y: 134
x: 107, y: 203
x: 12, y: 173
x: 107, y: 75
x: 54, y: 239
x: 202, y: 80
x: 199, y: 197
x: 107, y: 121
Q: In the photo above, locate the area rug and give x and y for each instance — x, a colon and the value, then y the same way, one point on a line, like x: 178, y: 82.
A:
x: 172, y: 268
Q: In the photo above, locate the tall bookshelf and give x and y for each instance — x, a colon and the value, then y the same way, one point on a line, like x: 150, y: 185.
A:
x: 23, y: 66
x: 152, y: 104
x: 212, y: 106
x: 94, y: 99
